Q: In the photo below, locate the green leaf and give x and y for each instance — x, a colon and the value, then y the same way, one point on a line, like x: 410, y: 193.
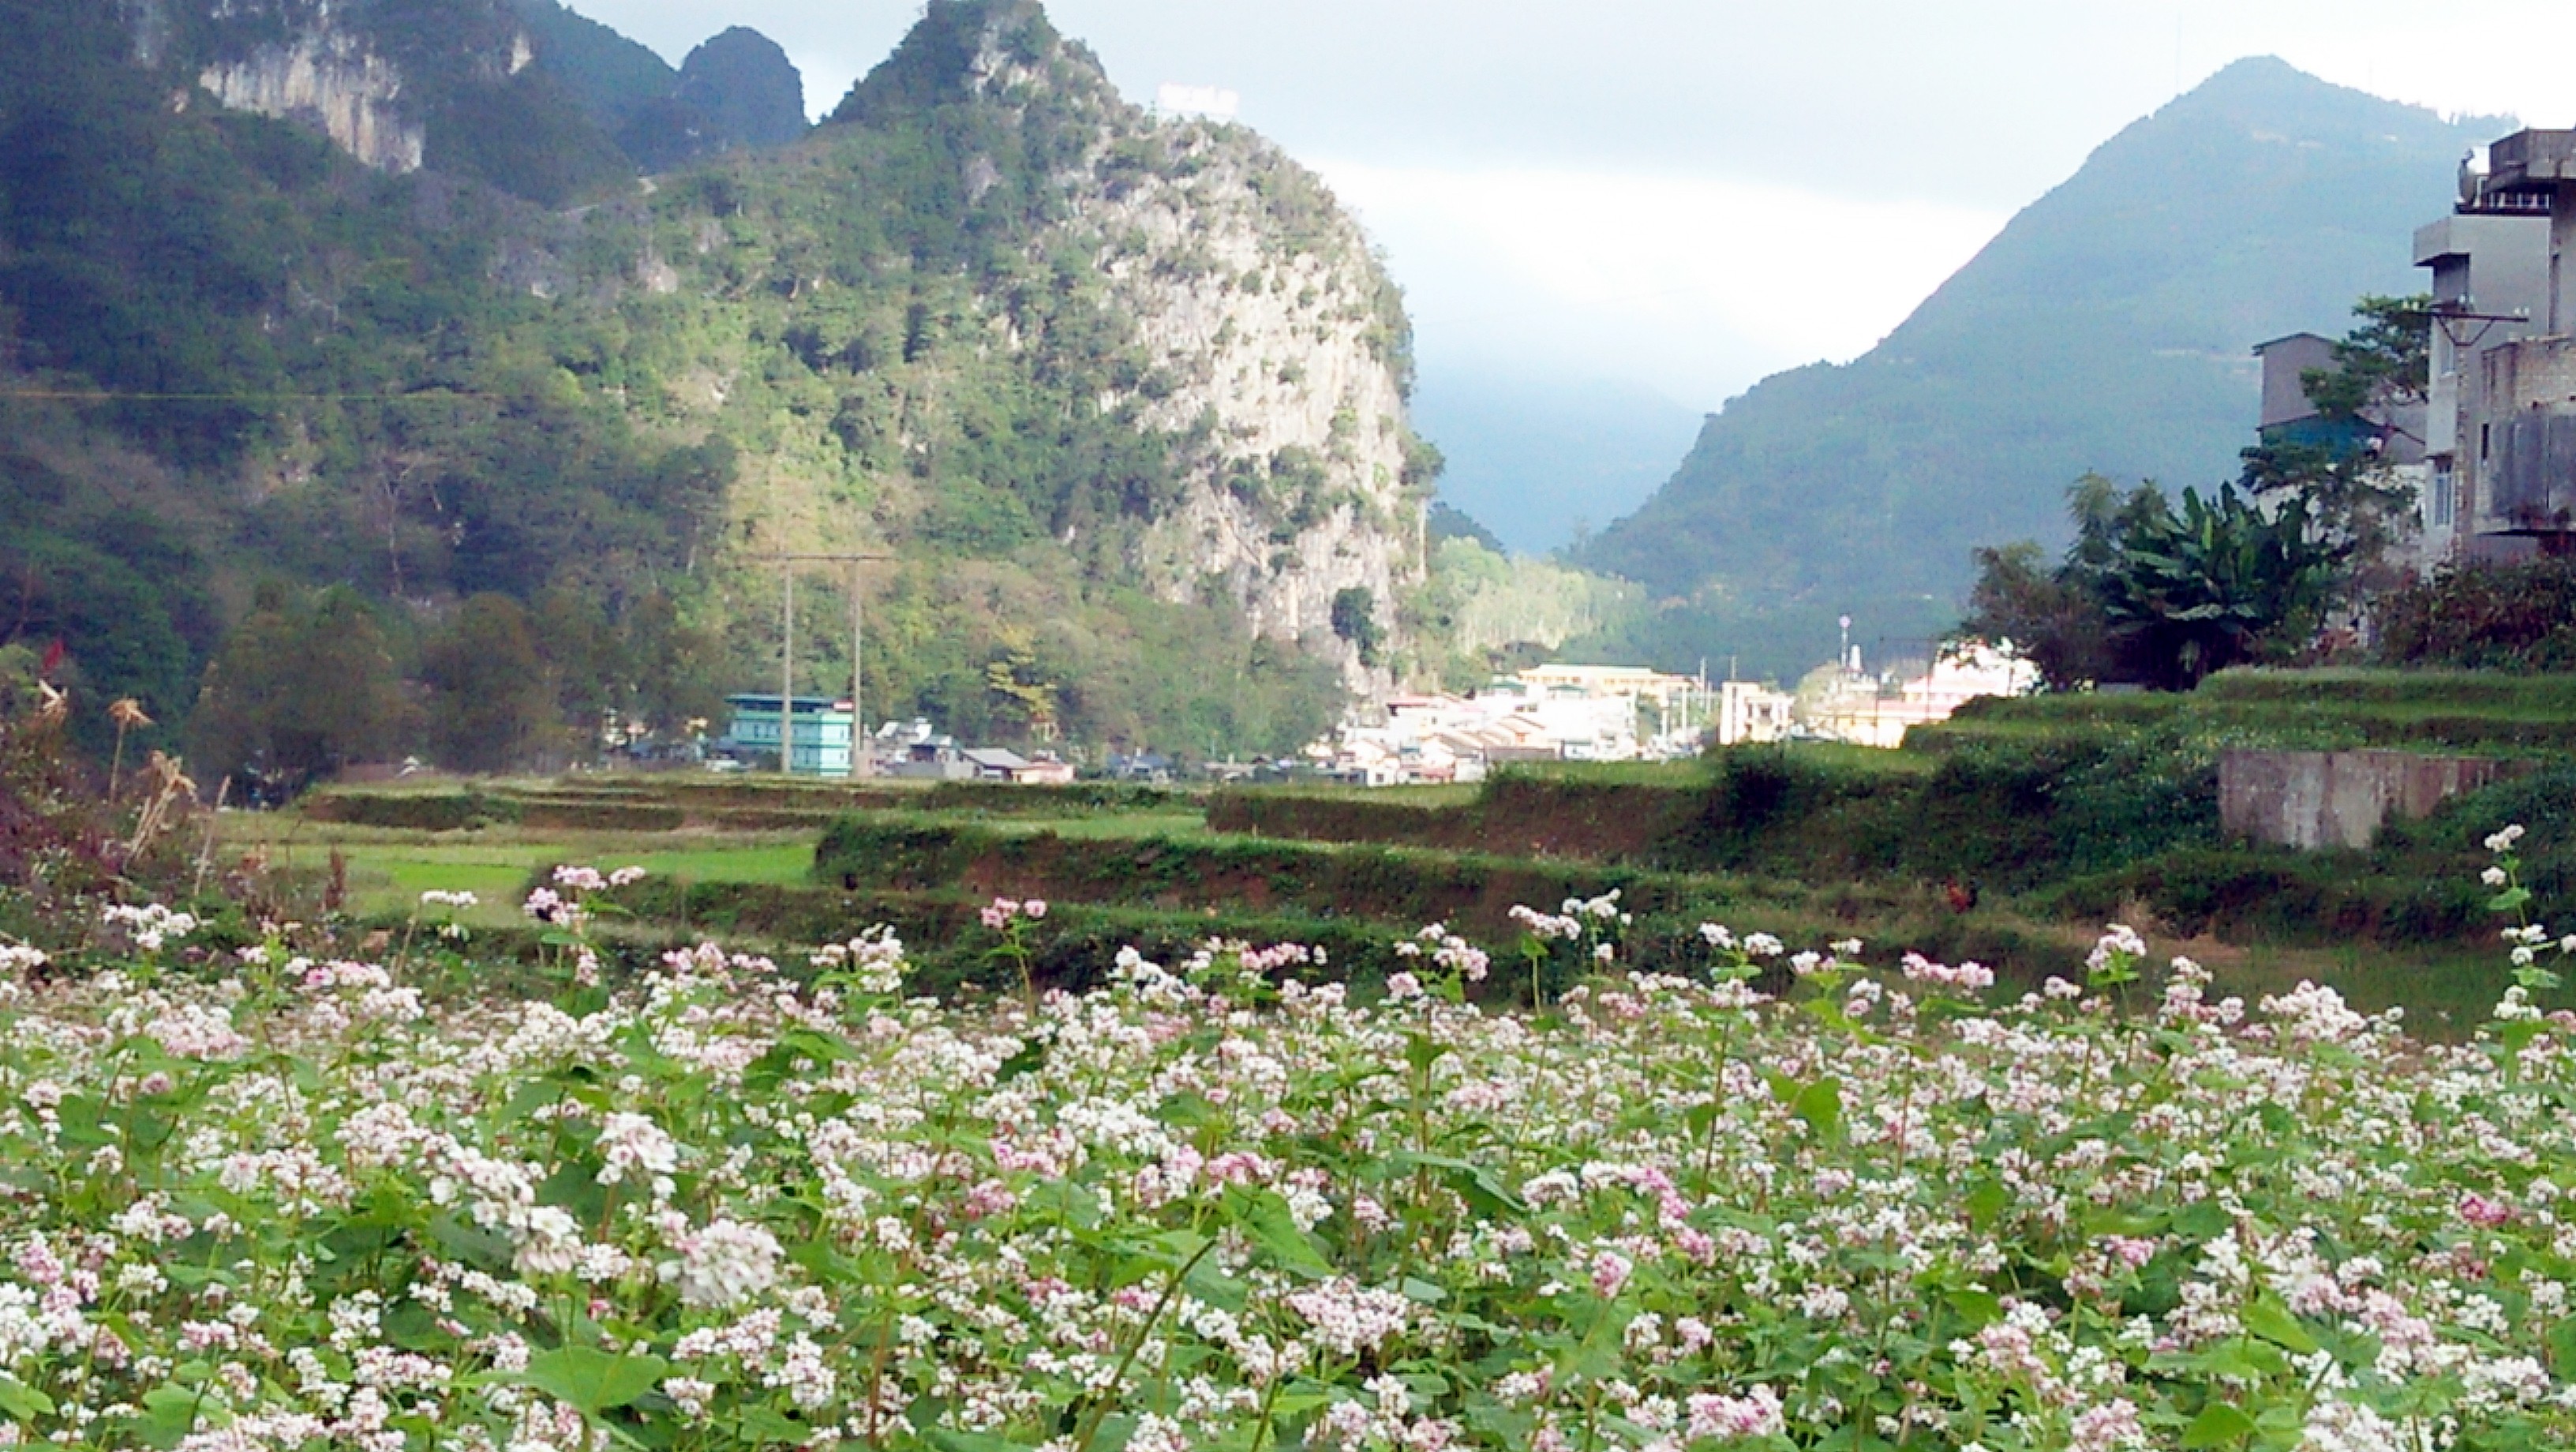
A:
x: 483, y: 1249
x: 594, y: 1380
x: 169, y: 1415
x: 1987, y: 1201
x: 1114, y: 1432
x: 2200, y: 1220
x: 1420, y: 1052
x: 1482, y: 1189
x: 949, y: 1439
x: 1978, y: 1308
x: 575, y: 1187
x: 765, y: 1427
x: 414, y: 1327
x: 1265, y: 1218
x: 1189, y: 1111
x: 2272, y: 1321
x: 22, y: 1402
x: 2218, y: 1425
x: 2562, y: 1346
x: 1216, y: 1288
x: 1821, y: 1105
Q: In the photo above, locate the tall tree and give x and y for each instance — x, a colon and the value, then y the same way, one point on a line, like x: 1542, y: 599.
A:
x: 2347, y: 480
x: 304, y: 686
x: 490, y: 705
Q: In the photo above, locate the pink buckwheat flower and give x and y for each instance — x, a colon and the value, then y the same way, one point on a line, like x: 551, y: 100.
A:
x: 1757, y: 1413
x: 1610, y: 1272
x: 2484, y: 1213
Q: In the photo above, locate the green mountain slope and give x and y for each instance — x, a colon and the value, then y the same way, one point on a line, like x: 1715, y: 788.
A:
x: 613, y: 78
x: 1121, y: 401
x: 2108, y: 328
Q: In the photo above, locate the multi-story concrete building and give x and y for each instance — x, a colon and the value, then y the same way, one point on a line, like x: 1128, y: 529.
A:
x: 2517, y: 428
x: 2287, y: 410
x: 2490, y: 289
x: 2492, y: 345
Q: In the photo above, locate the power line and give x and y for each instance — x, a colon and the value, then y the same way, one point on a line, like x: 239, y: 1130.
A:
x: 107, y: 395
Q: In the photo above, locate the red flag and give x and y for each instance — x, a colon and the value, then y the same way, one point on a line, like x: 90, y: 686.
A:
x: 53, y: 659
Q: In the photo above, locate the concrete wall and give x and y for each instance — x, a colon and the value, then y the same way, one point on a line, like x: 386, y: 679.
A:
x: 2285, y: 398
x: 2311, y: 799
x: 2523, y: 433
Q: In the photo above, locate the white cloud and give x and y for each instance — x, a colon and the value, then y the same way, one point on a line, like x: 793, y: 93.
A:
x: 1695, y: 285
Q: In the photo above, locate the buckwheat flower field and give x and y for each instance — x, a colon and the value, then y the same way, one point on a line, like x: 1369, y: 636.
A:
x: 288, y: 1204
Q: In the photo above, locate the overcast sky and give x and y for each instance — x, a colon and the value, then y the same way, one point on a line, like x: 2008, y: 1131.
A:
x: 1693, y: 193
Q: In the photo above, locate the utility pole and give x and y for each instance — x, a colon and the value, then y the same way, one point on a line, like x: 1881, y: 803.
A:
x: 787, y: 674
x: 860, y: 766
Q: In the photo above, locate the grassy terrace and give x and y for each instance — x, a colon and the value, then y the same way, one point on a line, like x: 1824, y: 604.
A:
x: 2483, y: 712
x: 2010, y: 838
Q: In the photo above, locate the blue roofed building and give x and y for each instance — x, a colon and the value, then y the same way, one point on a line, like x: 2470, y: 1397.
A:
x: 821, y: 730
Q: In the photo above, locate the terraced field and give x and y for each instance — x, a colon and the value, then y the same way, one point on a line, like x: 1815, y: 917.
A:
x: 1777, y: 842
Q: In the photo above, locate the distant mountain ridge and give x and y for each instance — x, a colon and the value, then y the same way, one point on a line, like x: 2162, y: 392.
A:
x: 736, y: 90
x: 2108, y: 327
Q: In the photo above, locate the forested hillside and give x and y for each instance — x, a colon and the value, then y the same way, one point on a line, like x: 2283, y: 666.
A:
x: 2108, y: 328
x: 1122, y: 400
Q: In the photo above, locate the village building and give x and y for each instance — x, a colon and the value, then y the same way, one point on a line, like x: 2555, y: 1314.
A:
x: 2490, y: 289
x: 2516, y: 428
x: 821, y: 730
x: 1749, y: 712
x: 1853, y: 706
x: 2395, y: 435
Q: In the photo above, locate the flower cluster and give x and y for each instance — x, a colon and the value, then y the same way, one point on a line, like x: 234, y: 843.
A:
x: 1448, y: 952
x: 1221, y: 1204
x: 573, y: 878
x: 1547, y: 926
x: 1001, y: 912
x: 149, y: 925
x: 873, y: 962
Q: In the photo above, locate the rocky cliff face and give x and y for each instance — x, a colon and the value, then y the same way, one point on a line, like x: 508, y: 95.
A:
x: 370, y: 79
x: 1282, y: 347
x: 329, y: 80
x: 1277, y: 351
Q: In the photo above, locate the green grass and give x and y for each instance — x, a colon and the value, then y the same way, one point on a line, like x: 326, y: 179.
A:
x: 388, y: 869
x: 1405, y: 796
x: 1614, y: 773
x: 2487, y: 712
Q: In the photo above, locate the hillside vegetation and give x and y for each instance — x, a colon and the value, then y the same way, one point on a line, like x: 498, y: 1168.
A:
x: 1122, y: 400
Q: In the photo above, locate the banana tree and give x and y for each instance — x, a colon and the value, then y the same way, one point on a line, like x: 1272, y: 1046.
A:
x: 2217, y: 583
